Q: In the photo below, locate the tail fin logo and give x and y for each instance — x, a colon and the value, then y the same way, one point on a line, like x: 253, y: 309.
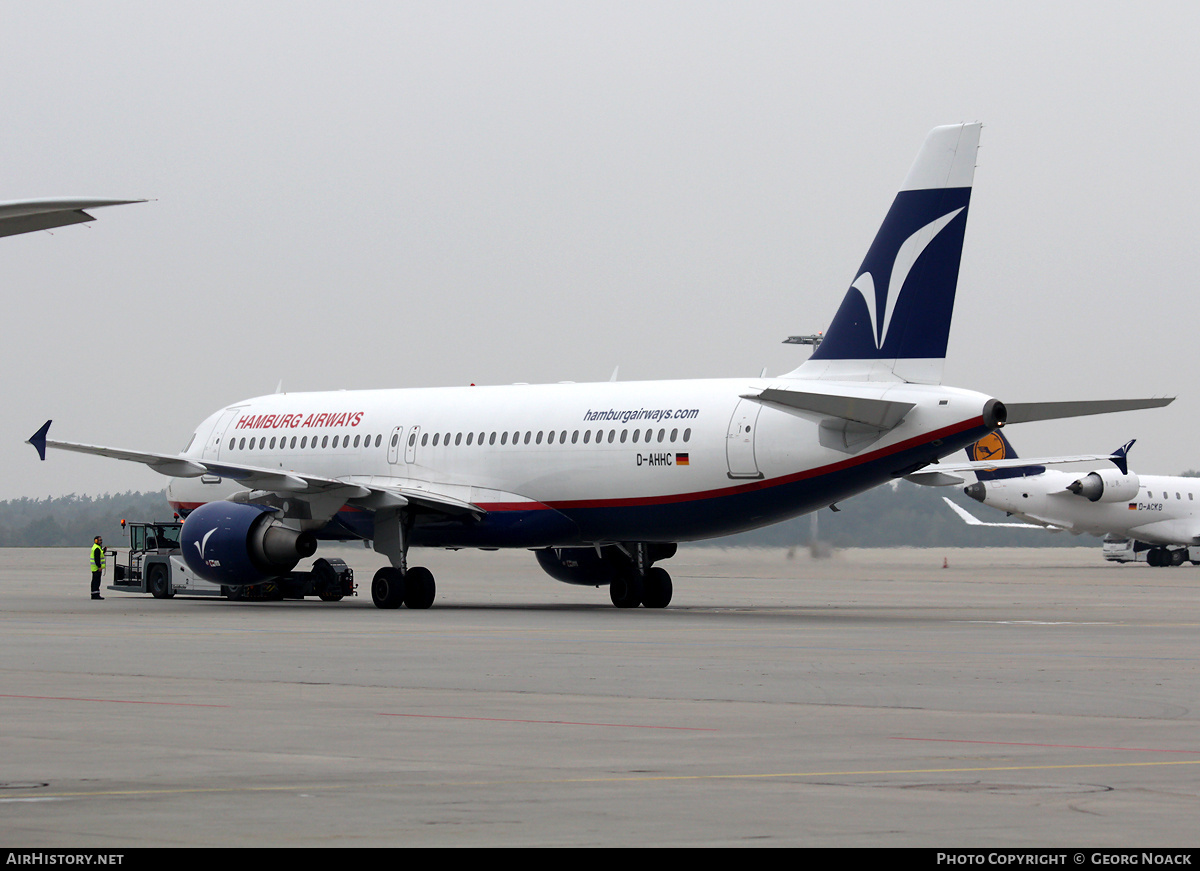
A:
x: 906, y: 257
x: 989, y: 448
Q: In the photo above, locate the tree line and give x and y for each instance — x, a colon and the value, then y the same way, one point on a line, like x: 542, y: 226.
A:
x: 73, y: 521
x: 902, y: 515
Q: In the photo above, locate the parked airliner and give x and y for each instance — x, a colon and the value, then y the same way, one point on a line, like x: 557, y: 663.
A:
x: 1161, y: 510
x: 602, y: 480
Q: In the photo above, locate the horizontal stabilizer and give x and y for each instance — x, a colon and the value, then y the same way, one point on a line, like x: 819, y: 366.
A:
x: 1026, y: 412
x: 878, y: 413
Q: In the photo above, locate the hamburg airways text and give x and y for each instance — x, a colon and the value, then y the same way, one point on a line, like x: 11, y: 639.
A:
x: 294, y: 421
x: 655, y: 414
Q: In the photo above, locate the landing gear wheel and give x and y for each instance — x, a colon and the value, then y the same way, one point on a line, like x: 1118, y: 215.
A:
x: 326, y: 579
x: 419, y: 588
x: 1177, y: 557
x: 1156, y: 557
x: 626, y: 589
x: 159, y: 583
x: 234, y: 594
x: 656, y: 592
x: 387, y: 588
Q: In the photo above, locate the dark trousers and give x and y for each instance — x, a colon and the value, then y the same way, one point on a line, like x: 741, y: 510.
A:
x: 96, y: 583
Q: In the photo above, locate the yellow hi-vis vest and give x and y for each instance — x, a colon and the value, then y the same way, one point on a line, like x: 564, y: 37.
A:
x: 97, y: 558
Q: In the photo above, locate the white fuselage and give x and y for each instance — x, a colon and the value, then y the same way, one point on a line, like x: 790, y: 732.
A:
x: 1165, y: 510
x: 558, y: 464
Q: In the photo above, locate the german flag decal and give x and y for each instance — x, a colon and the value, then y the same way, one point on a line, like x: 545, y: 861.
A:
x: 681, y: 460
x: 1133, y: 506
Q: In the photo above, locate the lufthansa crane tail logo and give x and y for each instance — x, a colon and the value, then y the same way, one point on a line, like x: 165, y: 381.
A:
x: 202, y: 544
x: 990, y: 447
x: 906, y: 257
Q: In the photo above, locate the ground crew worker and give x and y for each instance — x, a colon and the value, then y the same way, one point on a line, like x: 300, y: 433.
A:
x: 97, y: 566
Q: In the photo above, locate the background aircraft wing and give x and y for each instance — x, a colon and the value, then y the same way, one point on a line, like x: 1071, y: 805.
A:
x: 1017, y: 462
x: 28, y: 216
x: 972, y: 520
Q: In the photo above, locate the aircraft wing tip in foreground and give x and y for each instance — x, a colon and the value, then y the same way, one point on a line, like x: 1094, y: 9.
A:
x: 29, y: 216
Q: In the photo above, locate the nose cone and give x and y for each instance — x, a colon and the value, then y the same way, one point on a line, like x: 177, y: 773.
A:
x: 975, y: 491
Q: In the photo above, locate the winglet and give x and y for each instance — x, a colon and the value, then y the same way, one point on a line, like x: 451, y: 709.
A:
x: 38, y: 439
x: 1120, y: 456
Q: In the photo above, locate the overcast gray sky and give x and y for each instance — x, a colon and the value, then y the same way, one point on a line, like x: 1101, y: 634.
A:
x: 391, y: 194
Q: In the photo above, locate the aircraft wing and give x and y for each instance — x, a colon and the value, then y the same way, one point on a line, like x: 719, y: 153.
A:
x: 28, y: 216
x: 972, y: 520
x: 367, y: 494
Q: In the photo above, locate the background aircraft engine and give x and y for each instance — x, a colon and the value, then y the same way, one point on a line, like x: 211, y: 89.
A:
x: 1108, y: 485
x: 235, y: 544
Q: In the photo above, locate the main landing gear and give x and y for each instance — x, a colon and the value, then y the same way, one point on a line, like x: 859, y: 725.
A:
x: 391, y: 588
x: 639, y: 583
x: 397, y: 584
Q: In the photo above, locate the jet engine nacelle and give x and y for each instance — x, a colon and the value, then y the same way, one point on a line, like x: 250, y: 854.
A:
x: 587, y: 568
x: 239, y: 545
x: 1108, y: 485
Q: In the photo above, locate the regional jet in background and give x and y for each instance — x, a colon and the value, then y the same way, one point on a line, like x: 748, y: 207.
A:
x: 1162, y: 511
x: 29, y: 216
x: 602, y: 480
